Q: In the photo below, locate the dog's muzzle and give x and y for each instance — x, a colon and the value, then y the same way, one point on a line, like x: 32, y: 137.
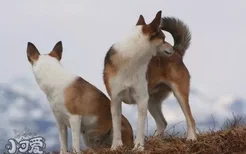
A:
x: 165, y: 51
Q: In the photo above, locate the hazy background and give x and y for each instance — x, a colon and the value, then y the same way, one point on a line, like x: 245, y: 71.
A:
x: 215, y: 59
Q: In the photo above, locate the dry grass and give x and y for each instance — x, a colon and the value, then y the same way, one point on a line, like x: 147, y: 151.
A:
x: 231, y: 139
x: 228, y: 141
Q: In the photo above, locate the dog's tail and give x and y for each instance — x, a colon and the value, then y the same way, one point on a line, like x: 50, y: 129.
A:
x: 179, y: 31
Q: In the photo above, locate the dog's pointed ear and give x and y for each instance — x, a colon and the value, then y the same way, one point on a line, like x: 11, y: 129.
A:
x: 32, y: 53
x: 141, y: 20
x: 156, y: 22
x: 57, y: 51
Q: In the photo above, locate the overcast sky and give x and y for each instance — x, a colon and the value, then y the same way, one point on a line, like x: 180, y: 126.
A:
x: 215, y: 59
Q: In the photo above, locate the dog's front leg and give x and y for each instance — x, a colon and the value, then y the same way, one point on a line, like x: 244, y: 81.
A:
x: 62, y: 130
x: 116, y: 121
x: 142, y: 102
x: 75, y: 123
x: 63, y: 137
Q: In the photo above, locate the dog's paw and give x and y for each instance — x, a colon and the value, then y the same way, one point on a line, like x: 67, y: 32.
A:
x: 116, y: 145
x: 138, y: 147
x: 191, y: 137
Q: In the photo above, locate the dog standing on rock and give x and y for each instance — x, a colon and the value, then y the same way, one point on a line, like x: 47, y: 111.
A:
x: 124, y: 74
x: 75, y: 102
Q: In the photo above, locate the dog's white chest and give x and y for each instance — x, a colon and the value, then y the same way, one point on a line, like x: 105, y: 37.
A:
x: 131, y: 77
x: 130, y: 84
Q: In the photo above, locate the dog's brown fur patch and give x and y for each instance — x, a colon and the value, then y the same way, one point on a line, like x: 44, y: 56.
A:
x: 110, y: 68
x: 84, y: 99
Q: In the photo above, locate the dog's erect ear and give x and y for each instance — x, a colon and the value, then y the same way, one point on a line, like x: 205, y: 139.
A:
x: 57, y: 51
x: 32, y: 53
x: 141, y: 20
x: 156, y: 22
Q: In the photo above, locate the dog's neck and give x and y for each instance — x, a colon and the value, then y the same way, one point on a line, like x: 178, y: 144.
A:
x: 51, y: 76
x: 135, y: 48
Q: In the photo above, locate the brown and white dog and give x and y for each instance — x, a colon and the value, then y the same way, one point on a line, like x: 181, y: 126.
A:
x: 75, y: 103
x: 124, y: 74
x: 169, y: 74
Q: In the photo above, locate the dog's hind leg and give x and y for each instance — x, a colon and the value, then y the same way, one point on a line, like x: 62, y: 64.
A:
x: 157, y: 94
x: 181, y: 92
x: 154, y: 107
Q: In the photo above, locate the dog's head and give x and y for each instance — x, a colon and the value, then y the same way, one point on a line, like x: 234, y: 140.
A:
x: 155, y: 35
x: 44, y: 61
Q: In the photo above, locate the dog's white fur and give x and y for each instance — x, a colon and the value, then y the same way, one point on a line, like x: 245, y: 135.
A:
x: 137, y: 50
x: 53, y: 79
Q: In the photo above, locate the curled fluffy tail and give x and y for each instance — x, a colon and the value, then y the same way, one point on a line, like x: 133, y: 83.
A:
x: 180, y: 32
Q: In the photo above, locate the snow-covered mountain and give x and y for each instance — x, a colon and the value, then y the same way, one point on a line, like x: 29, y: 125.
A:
x: 22, y: 104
